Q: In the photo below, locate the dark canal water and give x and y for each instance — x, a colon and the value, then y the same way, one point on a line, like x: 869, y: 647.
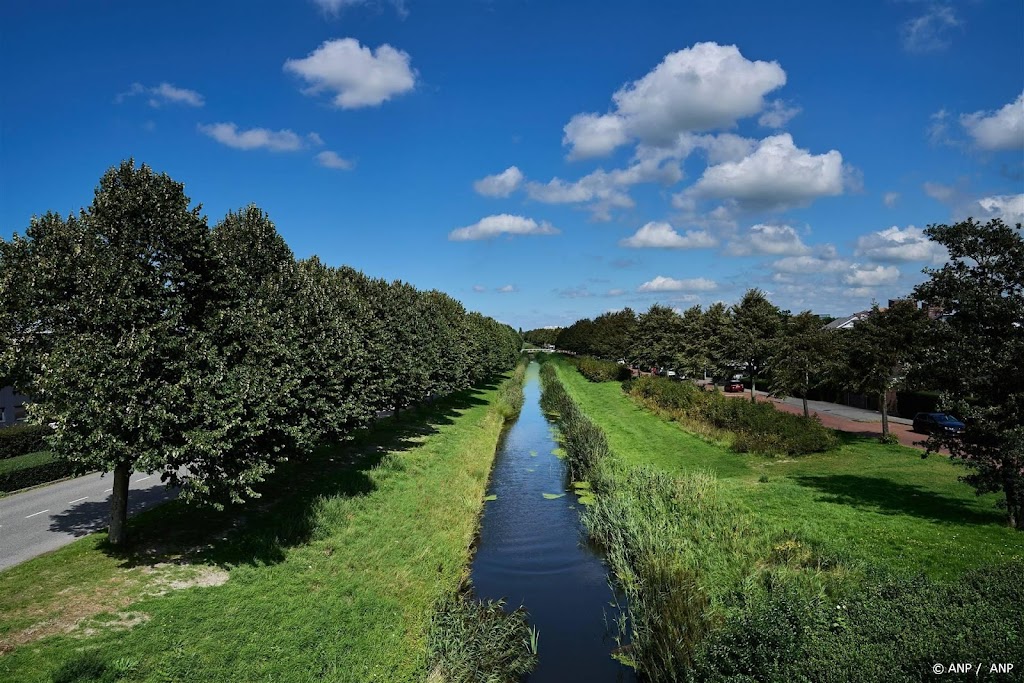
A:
x: 533, y: 552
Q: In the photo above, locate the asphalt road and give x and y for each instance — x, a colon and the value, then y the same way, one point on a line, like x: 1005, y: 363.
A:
x: 45, y: 518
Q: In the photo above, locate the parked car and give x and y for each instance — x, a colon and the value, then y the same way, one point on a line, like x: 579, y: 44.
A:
x: 931, y: 423
x: 734, y: 386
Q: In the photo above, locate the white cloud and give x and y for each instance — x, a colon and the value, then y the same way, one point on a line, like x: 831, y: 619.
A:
x: 615, y: 292
x: 329, y: 159
x: 938, y: 129
x: 668, y: 284
x: 659, y: 235
x: 776, y: 175
x: 500, y: 185
x: 165, y: 93
x: 775, y: 240
x: 479, y: 288
x: 1009, y: 207
x: 254, y: 138
x: 507, y: 289
x: 890, y: 199
x: 893, y: 245
x: 777, y: 115
x: 703, y: 87
x: 334, y: 7
x: 939, y: 192
x: 604, y: 190
x: 502, y: 224
x: 868, y: 276
x: 357, y: 75
x: 998, y: 130
x: 593, y: 135
x: 929, y: 32
x: 802, y: 265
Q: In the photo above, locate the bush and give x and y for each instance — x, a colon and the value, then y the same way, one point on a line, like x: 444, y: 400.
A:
x: 757, y: 427
x: 475, y: 641
x: 21, y: 439
x: 584, y: 442
x: 601, y: 370
x: 38, y: 474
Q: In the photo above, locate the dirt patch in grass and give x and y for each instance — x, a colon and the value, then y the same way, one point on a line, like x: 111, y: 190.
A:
x: 81, y: 612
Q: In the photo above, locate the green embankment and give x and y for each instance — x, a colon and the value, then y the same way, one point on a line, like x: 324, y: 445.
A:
x: 332, y: 575
x: 882, y: 505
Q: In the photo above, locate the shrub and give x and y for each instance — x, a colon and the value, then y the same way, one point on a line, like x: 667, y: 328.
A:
x: 21, y: 439
x: 510, y: 392
x: 601, y: 370
x: 757, y: 427
x: 474, y: 641
x: 584, y: 442
x: 38, y: 474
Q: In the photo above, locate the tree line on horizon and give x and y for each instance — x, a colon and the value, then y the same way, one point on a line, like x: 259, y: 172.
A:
x: 151, y: 342
x: 972, y: 354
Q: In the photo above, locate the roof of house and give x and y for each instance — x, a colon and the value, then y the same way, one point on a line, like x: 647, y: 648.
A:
x: 847, y: 322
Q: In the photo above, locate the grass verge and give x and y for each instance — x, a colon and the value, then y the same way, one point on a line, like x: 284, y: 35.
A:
x: 333, y: 574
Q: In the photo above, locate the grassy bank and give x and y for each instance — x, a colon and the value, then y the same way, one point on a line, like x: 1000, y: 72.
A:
x: 723, y: 586
x: 334, y: 574
x: 870, y: 502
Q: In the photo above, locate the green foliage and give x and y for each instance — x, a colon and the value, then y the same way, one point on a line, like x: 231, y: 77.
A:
x: 21, y: 439
x: 657, y: 340
x: 601, y: 370
x: 474, y: 641
x: 757, y: 427
x: 542, y: 336
x: 756, y: 325
x: 977, y: 353
x: 584, y: 442
x: 803, y: 357
x: 33, y: 469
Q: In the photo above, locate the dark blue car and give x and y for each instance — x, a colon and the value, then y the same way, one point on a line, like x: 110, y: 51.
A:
x: 933, y: 423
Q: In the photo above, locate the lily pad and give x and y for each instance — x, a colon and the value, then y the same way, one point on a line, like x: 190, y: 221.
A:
x: 493, y: 496
x: 587, y: 498
x: 552, y: 496
x: 533, y: 454
x: 530, y: 469
x: 581, y: 485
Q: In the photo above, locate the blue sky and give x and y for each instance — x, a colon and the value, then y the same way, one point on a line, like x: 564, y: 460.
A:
x: 541, y: 161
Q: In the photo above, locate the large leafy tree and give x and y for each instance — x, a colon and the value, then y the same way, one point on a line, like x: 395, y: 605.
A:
x: 756, y: 325
x: 884, y: 350
x: 113, y: 328
x: 979, y: 353
x: 658, y: 337
x: 716, y: 333
x: 612, y: 333
x: 803, y: 356
x: 692, y: 354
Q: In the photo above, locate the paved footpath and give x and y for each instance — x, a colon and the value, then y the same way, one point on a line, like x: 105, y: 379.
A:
x: 47, y: 517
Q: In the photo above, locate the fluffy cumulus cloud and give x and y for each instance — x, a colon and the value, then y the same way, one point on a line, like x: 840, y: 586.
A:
x: 329, y: 159
x: 356, y: 75
x: 929, y: 32
x: 699, y: 88
x: 777, y: 115
x: 660, y: 235
x: 162, y: 94
x: 1009, y: 207
x: 501, y: 184
x: 871, y: 276
x: 997, y: 130
x: 502, y: 224
x: 605, y: 190
x: 774, y: 240
x: 776, y: 175
x: 894, y: 245
x: 668, y: 284
x: 258, y: 138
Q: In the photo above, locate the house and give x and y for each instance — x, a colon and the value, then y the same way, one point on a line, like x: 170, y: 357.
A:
x: 848, y: 321
x: 12, y: 407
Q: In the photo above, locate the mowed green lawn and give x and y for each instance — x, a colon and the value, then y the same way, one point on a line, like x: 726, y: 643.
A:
x: 882, y: 505
x: 332, y: 575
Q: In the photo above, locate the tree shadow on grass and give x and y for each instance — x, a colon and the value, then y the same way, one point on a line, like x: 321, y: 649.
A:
x: 893, y: 498
x: 260, y: 531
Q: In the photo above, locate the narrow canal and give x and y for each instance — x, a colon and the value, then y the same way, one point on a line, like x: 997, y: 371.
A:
x: 533, y: 552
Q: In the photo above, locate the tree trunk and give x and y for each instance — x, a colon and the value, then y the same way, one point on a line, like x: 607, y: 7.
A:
x: 1013, y: 505
x: 807, y: 383
x: 807, y: 412
x: 117, y: 534
x: 885, y: 416
x: 753, y: 386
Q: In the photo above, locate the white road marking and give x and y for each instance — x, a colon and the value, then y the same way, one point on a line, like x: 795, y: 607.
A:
x: 77, y: 500
x: 108, y: 490
x: 37, y: 513
x: 143, y: 479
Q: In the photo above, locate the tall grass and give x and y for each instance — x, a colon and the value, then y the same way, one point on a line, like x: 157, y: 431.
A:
x: 584, y: 442
x: 753, y: 427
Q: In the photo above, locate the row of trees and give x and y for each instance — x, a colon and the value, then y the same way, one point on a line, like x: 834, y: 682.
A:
x: 151, y: 342
x: 973, y: 354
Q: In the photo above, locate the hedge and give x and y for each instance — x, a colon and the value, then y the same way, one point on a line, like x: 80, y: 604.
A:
x: 39, y: 474
x: 601, y: 370
x: 21, y: 439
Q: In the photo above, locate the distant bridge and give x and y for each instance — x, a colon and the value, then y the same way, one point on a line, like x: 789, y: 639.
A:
x: 539, y: 351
